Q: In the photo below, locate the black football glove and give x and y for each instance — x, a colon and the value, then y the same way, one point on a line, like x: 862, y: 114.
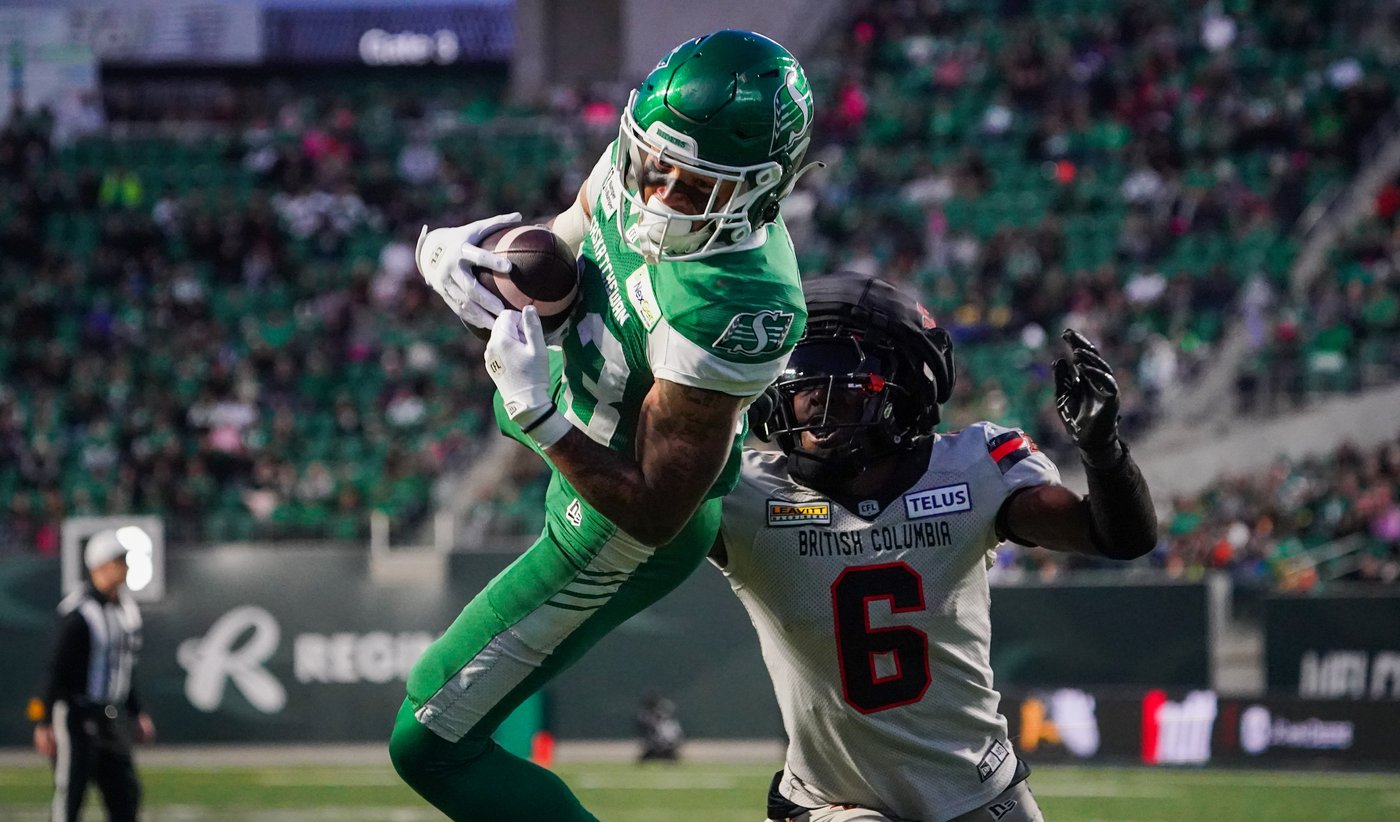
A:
x: 1086, y: 396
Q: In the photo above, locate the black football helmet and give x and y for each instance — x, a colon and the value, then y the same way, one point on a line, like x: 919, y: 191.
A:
x: 866, y: 380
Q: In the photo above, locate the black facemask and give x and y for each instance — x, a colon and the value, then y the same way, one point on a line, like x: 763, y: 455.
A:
x: 836, y: 410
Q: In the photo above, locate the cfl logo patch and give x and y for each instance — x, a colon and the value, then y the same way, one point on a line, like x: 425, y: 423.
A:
x: 574, y: 513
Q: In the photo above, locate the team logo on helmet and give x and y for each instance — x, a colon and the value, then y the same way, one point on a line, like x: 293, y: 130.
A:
x: 757, y: 333
x: 925, y: 319
x: 792, y: 112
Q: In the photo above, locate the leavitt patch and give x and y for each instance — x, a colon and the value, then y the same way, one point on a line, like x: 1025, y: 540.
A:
x: 782, y: 513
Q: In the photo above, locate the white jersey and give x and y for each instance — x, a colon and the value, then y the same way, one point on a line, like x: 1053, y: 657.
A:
x: 876, y: 626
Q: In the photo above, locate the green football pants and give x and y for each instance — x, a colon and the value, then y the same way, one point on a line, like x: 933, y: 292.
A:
x: 579, y: 580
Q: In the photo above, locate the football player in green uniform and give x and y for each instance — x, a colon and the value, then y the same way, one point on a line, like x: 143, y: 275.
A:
x: 690, y: 302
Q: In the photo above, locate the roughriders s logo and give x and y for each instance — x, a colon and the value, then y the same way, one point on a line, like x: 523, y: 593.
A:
x: 792, y: 113
x: 753, y: 334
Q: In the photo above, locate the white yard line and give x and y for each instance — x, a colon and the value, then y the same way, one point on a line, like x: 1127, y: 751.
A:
x: 190, y: 813
x: 377, y: 753
x: 303, y: 778
x: 1059, y: 788
x: 680, y: 781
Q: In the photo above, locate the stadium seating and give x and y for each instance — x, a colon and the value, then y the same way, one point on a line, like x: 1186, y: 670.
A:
x: 1299, y: 526
x: 281, y: 367
x: 1121, y: 168
x: 1347, y: 338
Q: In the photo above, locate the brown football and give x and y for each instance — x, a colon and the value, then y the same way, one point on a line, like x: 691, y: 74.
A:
x: 543, y: 272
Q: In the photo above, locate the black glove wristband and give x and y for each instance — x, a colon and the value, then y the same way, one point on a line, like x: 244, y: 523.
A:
x: 1120, y: 505
x: 1104, y: 457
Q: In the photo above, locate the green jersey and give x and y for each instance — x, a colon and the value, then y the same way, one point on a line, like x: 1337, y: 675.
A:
x: 724, y: 323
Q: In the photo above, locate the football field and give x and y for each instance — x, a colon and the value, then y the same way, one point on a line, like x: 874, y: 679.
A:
x: 714, y: 792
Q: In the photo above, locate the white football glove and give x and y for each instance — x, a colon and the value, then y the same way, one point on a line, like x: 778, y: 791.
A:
x: 517, y: 359
x: 445, y: 259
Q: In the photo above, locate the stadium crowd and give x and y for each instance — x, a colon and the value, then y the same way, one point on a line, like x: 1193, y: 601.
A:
x: 1348, y: 336
x: 1296, y: 525
x: 247, y: 351
x: 1123, y: 169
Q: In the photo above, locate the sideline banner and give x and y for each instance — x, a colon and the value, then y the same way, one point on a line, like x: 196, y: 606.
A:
x: 1065, y: 633
x: 253, y: 645
x: 1161, y: 727
x: 1333, y: 647
x: 259, y: 644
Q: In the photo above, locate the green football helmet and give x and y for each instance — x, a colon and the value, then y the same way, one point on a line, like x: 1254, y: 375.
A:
x: 731, y: 107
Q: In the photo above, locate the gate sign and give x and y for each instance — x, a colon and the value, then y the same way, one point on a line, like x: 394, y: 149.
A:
x: 392, y: 34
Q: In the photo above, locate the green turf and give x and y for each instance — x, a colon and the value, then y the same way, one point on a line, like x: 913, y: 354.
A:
x: 724, y: 793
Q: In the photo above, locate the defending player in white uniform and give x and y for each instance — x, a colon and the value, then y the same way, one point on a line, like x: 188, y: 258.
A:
x: 861, y: 552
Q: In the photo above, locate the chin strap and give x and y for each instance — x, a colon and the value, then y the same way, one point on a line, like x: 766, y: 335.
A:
x: 792, y: 184
x: 802, y: 172
x: 761, y: 412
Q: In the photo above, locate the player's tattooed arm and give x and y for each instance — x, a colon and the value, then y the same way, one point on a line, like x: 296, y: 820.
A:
x: 684, y: 437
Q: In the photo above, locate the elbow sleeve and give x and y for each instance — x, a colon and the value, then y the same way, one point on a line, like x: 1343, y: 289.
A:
x: 1120, y: 507
x: 572, y: 226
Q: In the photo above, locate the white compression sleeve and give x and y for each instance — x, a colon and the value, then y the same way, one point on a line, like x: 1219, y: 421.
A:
x: 572, y: 226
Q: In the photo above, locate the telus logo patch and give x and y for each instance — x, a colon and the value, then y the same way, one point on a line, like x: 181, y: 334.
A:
x: 937, y: 502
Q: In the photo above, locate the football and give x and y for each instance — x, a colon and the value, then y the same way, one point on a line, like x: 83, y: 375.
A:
x: 543, y: 272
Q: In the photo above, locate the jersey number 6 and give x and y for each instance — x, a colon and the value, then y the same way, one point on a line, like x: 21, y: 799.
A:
x: 859, y: 645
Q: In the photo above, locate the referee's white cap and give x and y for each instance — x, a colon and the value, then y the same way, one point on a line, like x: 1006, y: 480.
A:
x: 102, y: 548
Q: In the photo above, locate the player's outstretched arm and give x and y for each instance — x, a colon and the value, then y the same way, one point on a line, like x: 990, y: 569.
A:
x: 1117, y: 519
x: 683, y: 437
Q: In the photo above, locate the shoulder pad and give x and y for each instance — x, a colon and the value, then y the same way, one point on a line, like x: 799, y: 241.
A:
x: 1008, y: 446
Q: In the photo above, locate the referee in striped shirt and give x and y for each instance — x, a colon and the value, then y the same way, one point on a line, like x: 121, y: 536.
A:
x: 88, y: 713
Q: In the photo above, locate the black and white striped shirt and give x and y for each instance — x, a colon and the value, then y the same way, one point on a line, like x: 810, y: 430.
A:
x: 95, y: 653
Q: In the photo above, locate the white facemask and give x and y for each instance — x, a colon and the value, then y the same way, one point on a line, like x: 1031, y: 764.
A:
x: 662, y: 228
